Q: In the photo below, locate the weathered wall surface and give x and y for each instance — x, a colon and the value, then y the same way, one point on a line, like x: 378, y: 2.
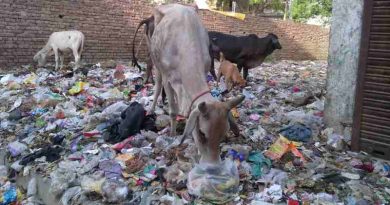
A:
x: 345, y: 36
x: 109, y: 26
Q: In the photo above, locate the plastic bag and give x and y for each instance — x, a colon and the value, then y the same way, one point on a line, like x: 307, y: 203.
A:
x: 92, y: 184
x: 258, y: 134
x: 163, y: 142
x: 17, y: 104
x: 114, y: 191
x: 248, y: 94
x: 3, y: 171
x: 115, y: 109
x: 162, y: 121
x: 7, y: 78
x: 16, y: 148
x: 274, y: 176
x: 272, y: 194
x: 336, y: 141
x: 257, y: 161
x: 67, y: 109
x: 31, y: 79
x: 111, y: 169
x: 60, y: 181
x: 80, y: 86
x: 111, y: 94
x: 218, y: 184
x: 70, y: 194
x: 10, y: 195
x: 32, y: 187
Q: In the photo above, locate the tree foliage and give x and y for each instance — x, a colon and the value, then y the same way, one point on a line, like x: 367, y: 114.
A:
x: 305, y: 9
x: 300, y: 10
x: 253, y: 6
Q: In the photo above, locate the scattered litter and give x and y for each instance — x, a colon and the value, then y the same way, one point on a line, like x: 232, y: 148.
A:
x: 90, y: 135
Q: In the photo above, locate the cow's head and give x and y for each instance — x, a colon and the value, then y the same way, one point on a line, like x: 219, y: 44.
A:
x: 275, y: 41
x: 40, y: 57
x: 209, y: 123
x: 241, y: 82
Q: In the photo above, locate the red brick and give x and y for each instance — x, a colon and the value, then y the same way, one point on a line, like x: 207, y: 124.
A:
x: 109, y: 27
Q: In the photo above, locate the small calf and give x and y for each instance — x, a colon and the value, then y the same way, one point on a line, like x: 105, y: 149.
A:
x: 60, y: 42
x: 231, y: 73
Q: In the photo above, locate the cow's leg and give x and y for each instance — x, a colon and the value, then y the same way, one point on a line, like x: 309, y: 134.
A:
x: 149, y: 68
x: 61, y: 59
x: 55, y: 50
x: 219, y: 76
x: 245, y: 73
x: 172, y: 107
x: 76, y: 59
x: 157, y: 91
x: 163, y: 96
x: 229, y: 84
x: 212, y: 69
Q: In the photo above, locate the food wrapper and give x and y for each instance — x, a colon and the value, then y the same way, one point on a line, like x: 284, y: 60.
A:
x: 77, y: 88
x: 281, y: 147
x: 215, y: 183
x: 31, y: 79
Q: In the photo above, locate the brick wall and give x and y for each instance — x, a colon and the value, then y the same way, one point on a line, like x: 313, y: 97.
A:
x: 109, y: 25
x: 299, y: 41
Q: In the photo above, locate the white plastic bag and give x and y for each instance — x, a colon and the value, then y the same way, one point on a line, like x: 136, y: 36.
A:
x: 216, y: 183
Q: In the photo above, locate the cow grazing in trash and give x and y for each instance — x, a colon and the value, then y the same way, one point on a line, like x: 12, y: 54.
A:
x: 245, y: 51
x: 180, y: 53
x: 58, y: 44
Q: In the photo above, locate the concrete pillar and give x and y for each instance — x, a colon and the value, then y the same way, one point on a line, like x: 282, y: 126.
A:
x: 344, y: 48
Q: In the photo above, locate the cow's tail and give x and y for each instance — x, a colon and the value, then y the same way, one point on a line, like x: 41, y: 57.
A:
x: 135, y: 61
x: 81, y: 46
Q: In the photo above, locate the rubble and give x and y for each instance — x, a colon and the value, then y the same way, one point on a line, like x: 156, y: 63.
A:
x: 85, y: 134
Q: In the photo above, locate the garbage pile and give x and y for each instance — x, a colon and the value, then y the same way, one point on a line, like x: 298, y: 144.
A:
x: 90, y: 135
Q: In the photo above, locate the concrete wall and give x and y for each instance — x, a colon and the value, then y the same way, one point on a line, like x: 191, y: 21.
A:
x: 344, y: 48
x: 109, y: 25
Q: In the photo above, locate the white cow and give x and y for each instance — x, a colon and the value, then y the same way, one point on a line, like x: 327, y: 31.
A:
x: 180, y: 51
x: 60, y: 42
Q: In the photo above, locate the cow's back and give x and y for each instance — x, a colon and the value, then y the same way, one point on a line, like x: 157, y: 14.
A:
x: 230, y: 45
x: 180, y: 50
x: 180, y: 42
x: 65, y: 39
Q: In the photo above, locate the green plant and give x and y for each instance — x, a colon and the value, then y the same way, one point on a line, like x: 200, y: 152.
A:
x: 305, y: 9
